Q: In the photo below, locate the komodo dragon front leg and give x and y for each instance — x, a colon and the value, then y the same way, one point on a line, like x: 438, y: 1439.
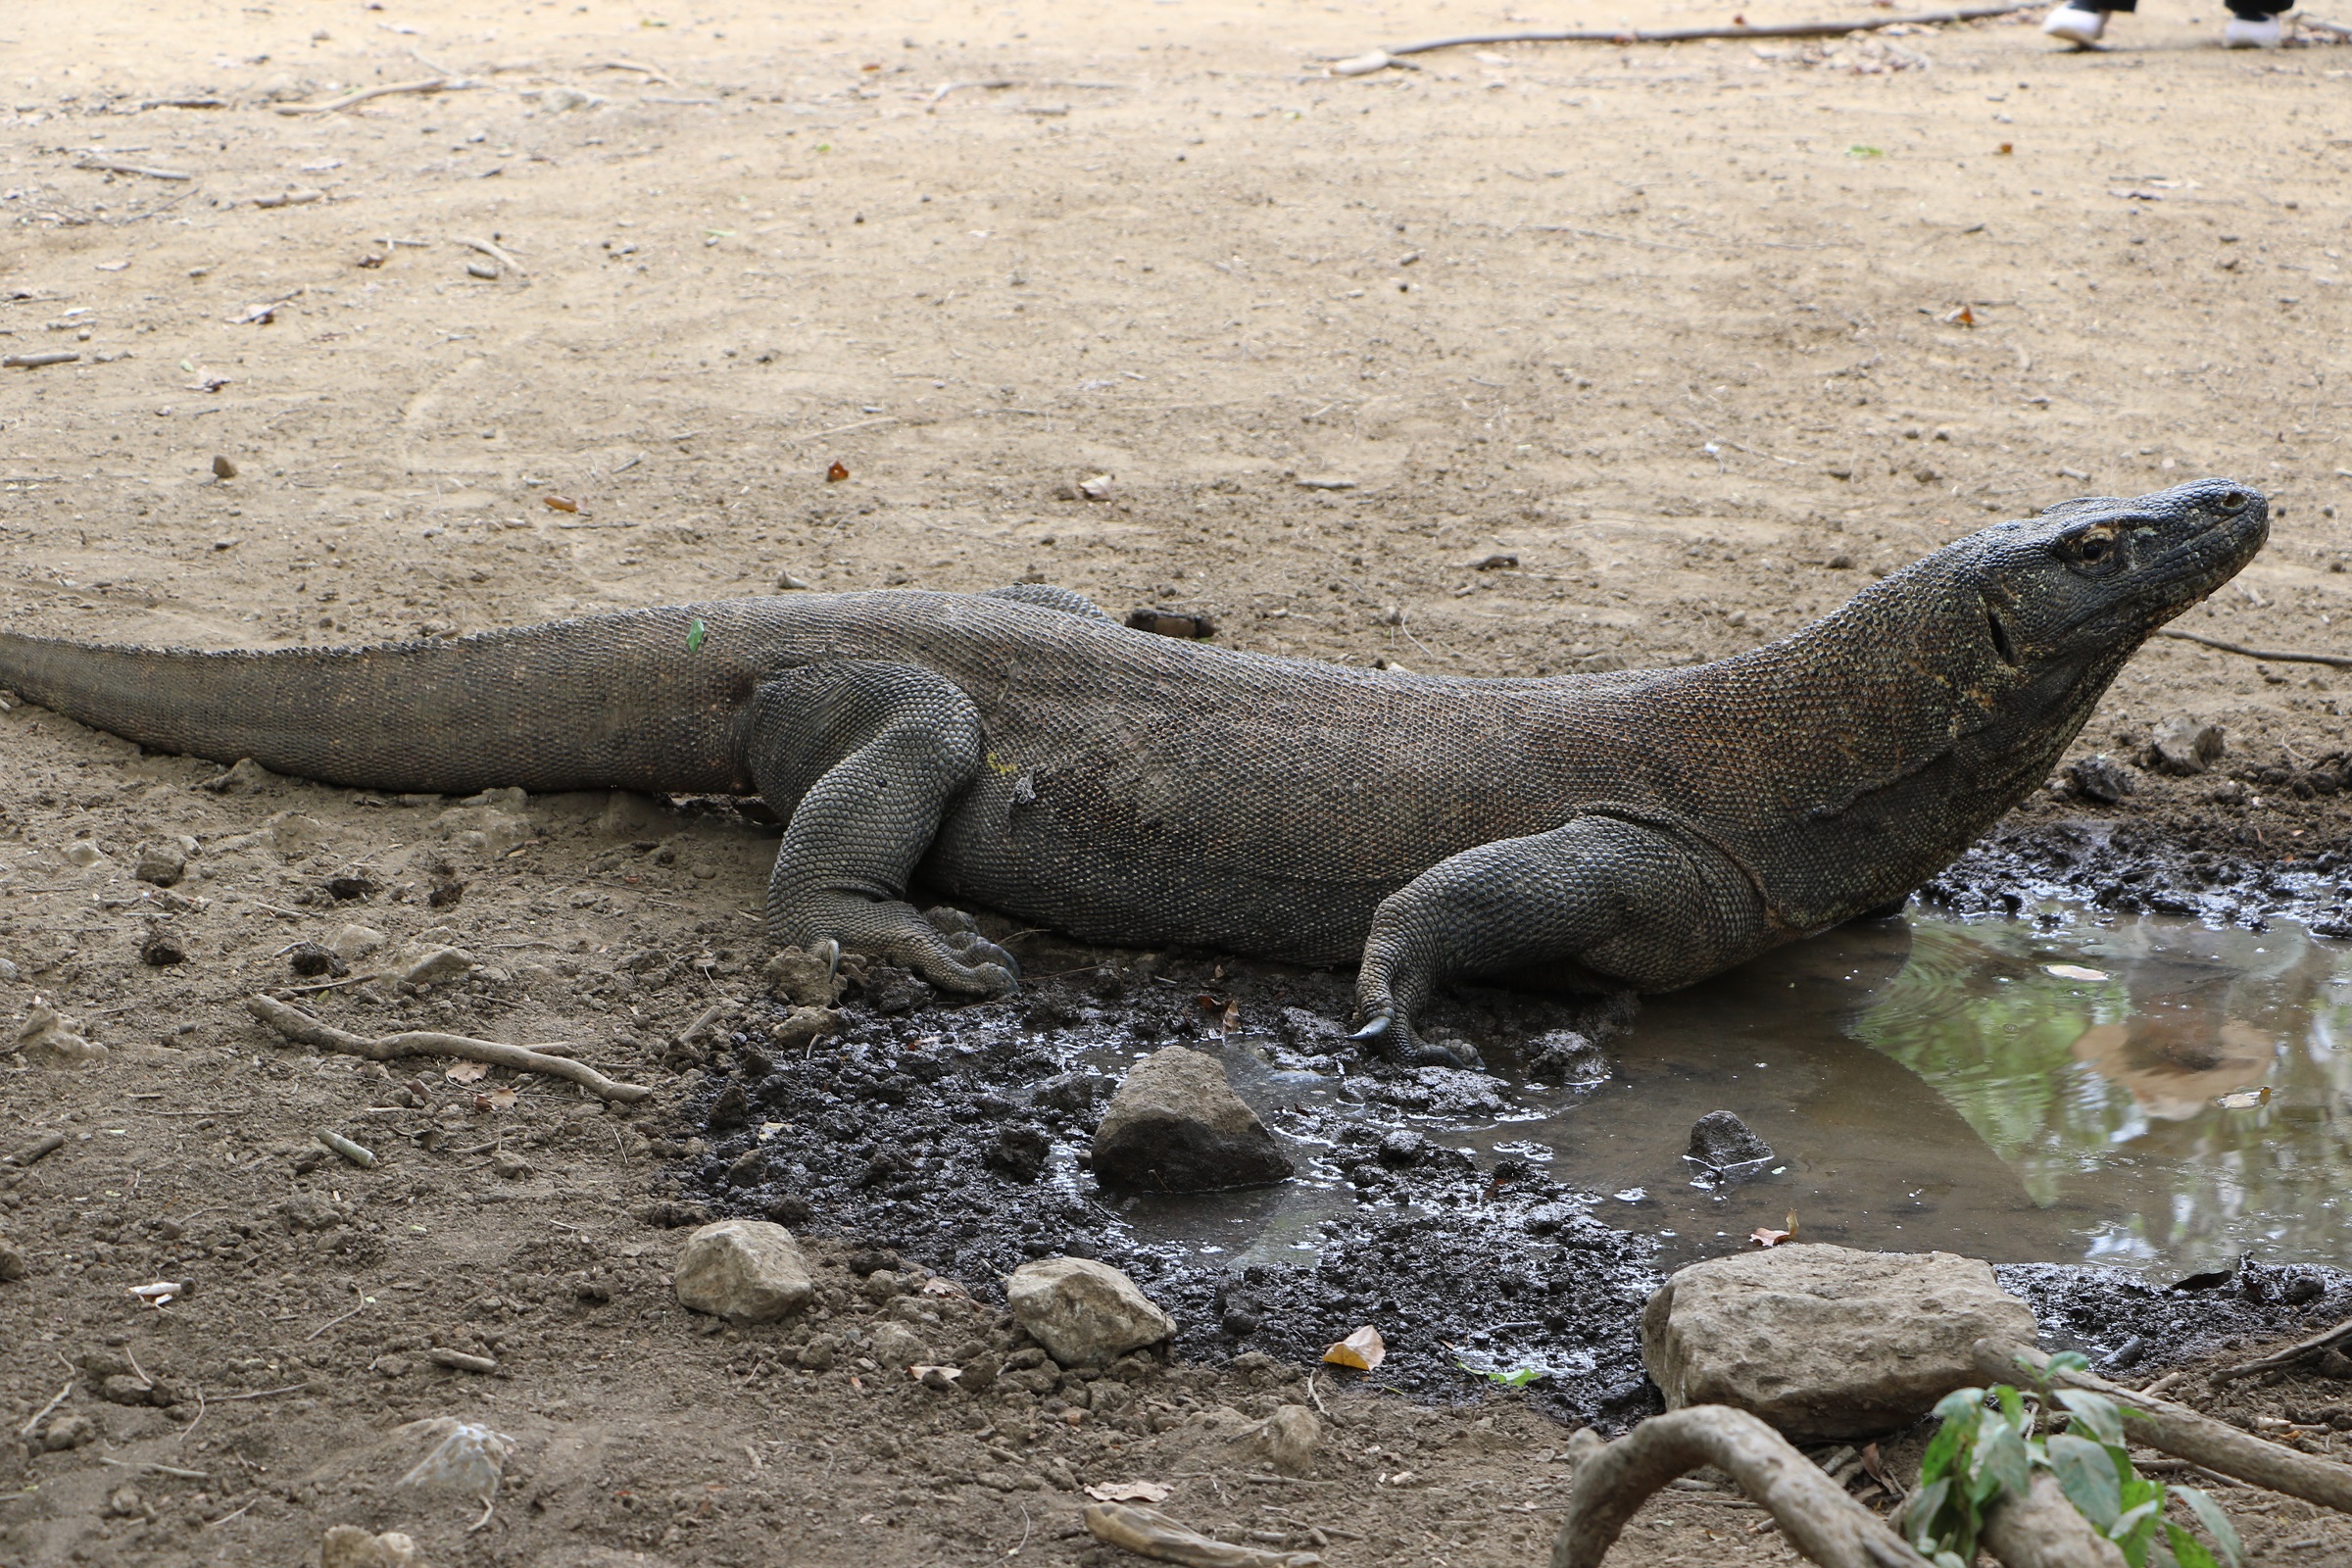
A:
x: 861, y: 760
x: 1599, y: 904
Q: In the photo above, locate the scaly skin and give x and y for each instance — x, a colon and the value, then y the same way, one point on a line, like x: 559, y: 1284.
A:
x: 1640, y: 830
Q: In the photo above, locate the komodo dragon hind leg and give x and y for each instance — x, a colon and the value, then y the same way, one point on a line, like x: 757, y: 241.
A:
x: 1597, y: 904
x: 861, y: 760
x: 1046, y: 596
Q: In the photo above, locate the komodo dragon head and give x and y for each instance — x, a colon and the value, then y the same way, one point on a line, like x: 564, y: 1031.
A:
x: 2069, y: 596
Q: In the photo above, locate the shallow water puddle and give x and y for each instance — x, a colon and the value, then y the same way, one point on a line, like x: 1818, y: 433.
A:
x: 2150, y: 1093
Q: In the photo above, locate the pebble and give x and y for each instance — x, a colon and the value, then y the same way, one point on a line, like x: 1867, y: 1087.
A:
x: 1565, y: 1057
x: 161, y: 861
x: 1291, y: 1435
x: 162, y: 948
x: 1176, y: 1125
x: 1084, y: 1313
x: 2101, y: 779
x: 433, y: 964
x: 2184, y: 745
x: 11, y: 1263
x: 898, y: 1346
x: 46, y: 1042
x: 309, y: 958
x: 1721, y: 1144
x: 744, y: 1270
x: 352, y: 943
x: 350, y: 1547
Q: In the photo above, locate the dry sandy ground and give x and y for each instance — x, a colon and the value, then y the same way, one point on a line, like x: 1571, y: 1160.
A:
x: 1700, y: 335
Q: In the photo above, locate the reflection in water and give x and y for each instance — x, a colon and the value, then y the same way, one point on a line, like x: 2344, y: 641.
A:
x: 2088, y: 1094
x: 2108, y: 1069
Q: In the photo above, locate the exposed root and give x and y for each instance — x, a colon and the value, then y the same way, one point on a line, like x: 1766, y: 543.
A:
x: 2043, y: 1530
x: 303, y: 1029
x: 1614, y: 1478
x: 2177, y: 1430
x: 1148, y: 1533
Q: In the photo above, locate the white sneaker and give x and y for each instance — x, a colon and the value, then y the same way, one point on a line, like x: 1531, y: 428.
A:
x: 2077, y: 26
x: 2245, y: 33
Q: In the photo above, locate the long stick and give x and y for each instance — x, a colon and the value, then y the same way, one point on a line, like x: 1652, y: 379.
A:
x: 2291, y: 1355
x: 302, y: 1028
x: 427, y: 85
x: 1614, y: 1478
x: 1777, y: 29
x: 2275, y: 655
x: 2177, y: 1430
x: 107, y: 165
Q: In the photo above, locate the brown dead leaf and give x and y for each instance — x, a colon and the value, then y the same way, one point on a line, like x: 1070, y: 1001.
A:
x: 499, y: 1099
x: 467, y: 1072
x: 836, y: 473
x: 1363, y: 1350
x: 1766, y: 1236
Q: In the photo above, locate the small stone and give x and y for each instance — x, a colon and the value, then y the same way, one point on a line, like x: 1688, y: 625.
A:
x: 1176, y: 1125
x: 352, y: 943
x: 350, y: 1547
x: 744, y: 1270
x: 1402, y: 1147
x: 1084, y: 1313
x: 1291, y: 1435
x: 11, y: 1263
x: 161, y: 861
x: 2184, y: 746
x: 309, y: 958
x: 627, y: 815
x: 433, y: 964
x: 70, y: 1432
x: 1721, y: 1142
x: 1826, y: 1343
x: 509, y: 1164
x: 162, y: 948
x: 84, y: 854
x: 898, y: 1346
x: 1022, y: 1151
x: 124, y: 1503
x: 242, y: 775
x: 222, y: 467
x: 125, y: 1388
x: 2101, y: 779
x: 46, y: 1042
x: 805, y: 1024
x: 1566, y: 1056
x: 294, y: 835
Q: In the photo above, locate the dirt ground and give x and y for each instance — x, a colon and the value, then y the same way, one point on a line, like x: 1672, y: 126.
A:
x: 1527, y: 359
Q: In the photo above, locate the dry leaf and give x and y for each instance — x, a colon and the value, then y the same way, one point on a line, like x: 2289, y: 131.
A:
x: 560, y: 503
x: 836, y: 473
x: 2074, y: 972
x: 940, y: 1285
x: 2245, y: 1099
x: 1129, y: 1491
x: 1363, y: 1350
x: 467, y: 1072
x: 1766, y: 1236
x: 499, y: 1099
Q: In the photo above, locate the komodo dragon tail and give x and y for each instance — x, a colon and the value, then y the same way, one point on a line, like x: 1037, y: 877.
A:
x: 634, y: 700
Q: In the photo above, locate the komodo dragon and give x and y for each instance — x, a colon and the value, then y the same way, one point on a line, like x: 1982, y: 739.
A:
x: 1641, y: 829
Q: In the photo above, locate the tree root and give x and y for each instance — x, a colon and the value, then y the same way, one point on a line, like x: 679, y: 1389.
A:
x: 303, y: 1029
x: 1614, y: 1478
x: 1148, y: 1533
x: 2177, y: 1430
x: 2043, y: 1530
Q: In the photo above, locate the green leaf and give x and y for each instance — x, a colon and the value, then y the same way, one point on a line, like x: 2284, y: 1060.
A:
x: 2128, y: 1523
x: 2188, y: 1550
x: 2067, y: 1362
x: 2002, y: 1459
x: 1942, y: 1449
x: 1859, y: 151
x: 1919, y: 1516
x: 1947, y: 1560
x: 2096, y: 1412
x: 2086, y: 1474
x: 1961, y: 1404
x: 2013, y: 1404
x: 2217, y: 1523
x: 695, y: 635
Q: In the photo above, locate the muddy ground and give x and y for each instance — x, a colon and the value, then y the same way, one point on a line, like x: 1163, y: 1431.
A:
x: 1695, y: 339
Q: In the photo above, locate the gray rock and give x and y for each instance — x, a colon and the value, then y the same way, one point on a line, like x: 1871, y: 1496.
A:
x: 1565, y: 1057
x: 1290, y: 1437
x: 11, y: 1263
x: 898, y: 1346
x: 1176, y: 1125
x: 352, y: 943
x: 9, y: 970
x: 744, y: 1270
x: 2101, y: 779
x: 809, y: 979
x: 1825, y: 1341
x: 430, y: 965
x: 2183, y: 744
x: 161, y: 861
x: 1084, y: 1313
x: 350, y: 1547
x: 1723, y: 1147
x: 46, y: 1042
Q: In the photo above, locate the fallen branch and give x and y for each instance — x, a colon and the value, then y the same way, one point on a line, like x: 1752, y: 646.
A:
x: 362, y: 95
x: 2325, y: 1341
x: 1614, y: 1478
x: 2275, y: 655
x: 2042, y: 1529
x: 303, y: 1029
x: 504, y: 258
x: 1148, y: 1533
x: 1777, y: 29
x: 2177, y: 1430
x: 660, y: 75
x: 2336, y: 28
x: 107, y: 166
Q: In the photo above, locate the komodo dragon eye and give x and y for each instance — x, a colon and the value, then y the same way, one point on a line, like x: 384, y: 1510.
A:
x: 2094, y: 548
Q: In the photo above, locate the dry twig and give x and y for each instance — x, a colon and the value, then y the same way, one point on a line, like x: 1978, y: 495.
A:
x: 107, y: 166
x: 363, y: 94
x: 2276, y: 655
x: 2327, y: 1339
x: 1777, y: 29
x: 303, y: 1029
x: 504, y: 258
x: 1614, y: 1478
x: 660, y: 75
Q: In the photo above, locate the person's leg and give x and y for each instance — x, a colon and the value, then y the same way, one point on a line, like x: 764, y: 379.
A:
x: 2082, y: 21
